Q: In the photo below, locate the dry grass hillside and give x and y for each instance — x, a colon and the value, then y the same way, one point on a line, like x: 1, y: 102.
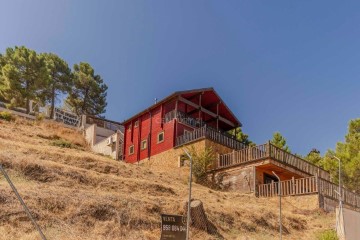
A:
x: 75, y: 194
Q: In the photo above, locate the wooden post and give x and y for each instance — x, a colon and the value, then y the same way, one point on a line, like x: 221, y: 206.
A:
x: 217, y: 117
x: 269, y: 149
x: 292, y: 186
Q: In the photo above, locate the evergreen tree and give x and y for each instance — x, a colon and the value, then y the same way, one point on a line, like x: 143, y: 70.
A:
x: 314, y: 157
x: 349, y: 153
x: 242, y: 137
x: 88, y: 95
x: 279, y: 141
x: 23, y: 75
x: 60, y: 79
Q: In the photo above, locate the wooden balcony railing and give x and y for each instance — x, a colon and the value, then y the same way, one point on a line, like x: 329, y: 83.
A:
x: 291, y: 187
x: 308, y: 185
x: 209, y: 133
x: 268, y: 151
x: 329, y: 189
x: 297, y: 162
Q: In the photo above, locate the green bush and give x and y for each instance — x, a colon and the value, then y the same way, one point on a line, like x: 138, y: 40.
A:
x: 328, y: 235
x: 7, y: 116
x: 62, y: 143
x: 202, y: 160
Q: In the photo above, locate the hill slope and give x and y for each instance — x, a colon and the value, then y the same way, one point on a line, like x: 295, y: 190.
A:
x: 76, y: 194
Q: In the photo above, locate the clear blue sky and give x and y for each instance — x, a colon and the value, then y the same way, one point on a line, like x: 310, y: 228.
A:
x: 288, y: 66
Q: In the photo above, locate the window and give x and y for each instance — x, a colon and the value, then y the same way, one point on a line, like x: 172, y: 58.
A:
x: 129, y: 127
x: 143, y: 144
x: 136, y: 124
x: 160, y: 137
x: 131, y: 149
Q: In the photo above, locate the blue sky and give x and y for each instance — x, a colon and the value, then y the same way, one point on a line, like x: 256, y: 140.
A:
x: 288, y: 66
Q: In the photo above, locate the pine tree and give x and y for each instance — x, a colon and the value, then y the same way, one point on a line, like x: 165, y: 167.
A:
x: 241, y: 137
x: 88, y: 95
x: 23, y: 75
x: 314, y: 157
x: 349, y: 153
x: 60, y: 79
x: 279, y: 141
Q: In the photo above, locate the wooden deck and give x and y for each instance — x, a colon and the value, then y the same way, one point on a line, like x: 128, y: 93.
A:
x: 268, y: 151
x: 209, y: 133
x: 310, y: 185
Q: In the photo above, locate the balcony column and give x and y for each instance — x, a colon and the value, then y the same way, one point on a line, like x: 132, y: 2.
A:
x: 176, y: 121
x: 200, y: 120
x: 217, y: 117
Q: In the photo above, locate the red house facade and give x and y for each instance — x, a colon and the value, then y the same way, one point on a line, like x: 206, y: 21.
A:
x: 178, y: 119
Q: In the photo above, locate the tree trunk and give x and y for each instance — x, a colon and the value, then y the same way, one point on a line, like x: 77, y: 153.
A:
x: 52, y: 102
x: 197, y: 215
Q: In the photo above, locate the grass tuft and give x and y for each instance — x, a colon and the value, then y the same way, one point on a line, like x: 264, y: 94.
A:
x: 7, y: 116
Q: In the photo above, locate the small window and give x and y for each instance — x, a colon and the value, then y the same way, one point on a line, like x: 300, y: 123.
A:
x: 143, y: 144
x: 131, y: 149
x: 136, y: 124
x: 160, y: 137
x: 129, y: 127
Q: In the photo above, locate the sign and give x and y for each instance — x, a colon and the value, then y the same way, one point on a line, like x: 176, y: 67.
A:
x: 173, y: 227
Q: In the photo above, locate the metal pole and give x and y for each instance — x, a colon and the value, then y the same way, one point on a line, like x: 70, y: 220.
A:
x: 280, y: 193
x: 189, y: 201
x: 22, y: 202
x: 341, y: 228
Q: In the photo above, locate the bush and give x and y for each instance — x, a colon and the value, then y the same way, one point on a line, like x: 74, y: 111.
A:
x: 328, y: 235
x: 40, y: 117
x: 62, y: 143
x: 201, y: 162
x: 7, y: 116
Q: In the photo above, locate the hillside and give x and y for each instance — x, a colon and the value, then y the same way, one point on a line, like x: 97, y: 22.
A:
x: 75, y: 194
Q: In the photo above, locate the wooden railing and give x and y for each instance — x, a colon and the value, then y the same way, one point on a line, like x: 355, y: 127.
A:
x: 329, y: 189
x: 309, y: 185
x: 269, y: 151
x: 209, y: 133
x: 242, y: 156
x: 297, y: 162
x: 183, y: 118
x: 291, y: 187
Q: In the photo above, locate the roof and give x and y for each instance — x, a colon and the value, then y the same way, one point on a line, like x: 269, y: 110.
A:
x: 208, y: 101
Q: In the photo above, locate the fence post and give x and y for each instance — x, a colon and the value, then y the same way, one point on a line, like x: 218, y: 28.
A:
x: 269, y: 149
x: 292, y: 186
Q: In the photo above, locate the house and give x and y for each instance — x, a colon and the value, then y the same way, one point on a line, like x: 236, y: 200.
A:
x: 103, y: 136
x: 184, y: 117
x: 200, y: 119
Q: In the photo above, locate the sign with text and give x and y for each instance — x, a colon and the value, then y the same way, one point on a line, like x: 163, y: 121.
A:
x: 173, y: 227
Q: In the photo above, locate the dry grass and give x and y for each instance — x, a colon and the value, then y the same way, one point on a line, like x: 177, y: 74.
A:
x: 75, y: 194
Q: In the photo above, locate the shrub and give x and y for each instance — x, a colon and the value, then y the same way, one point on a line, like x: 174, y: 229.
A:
x: 40, y: 117
x: 7, y: 116
x: 328, y: 235
x: 201, y: 162
x: 62, y: 143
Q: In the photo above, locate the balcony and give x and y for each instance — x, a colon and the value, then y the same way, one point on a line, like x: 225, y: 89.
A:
x: 309, y: 185
x: 268, y: 151
x: 209, y: 133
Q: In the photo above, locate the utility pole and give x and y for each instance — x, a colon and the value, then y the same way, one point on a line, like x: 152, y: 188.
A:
x: 280, y: 193
x: 189, y: 201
